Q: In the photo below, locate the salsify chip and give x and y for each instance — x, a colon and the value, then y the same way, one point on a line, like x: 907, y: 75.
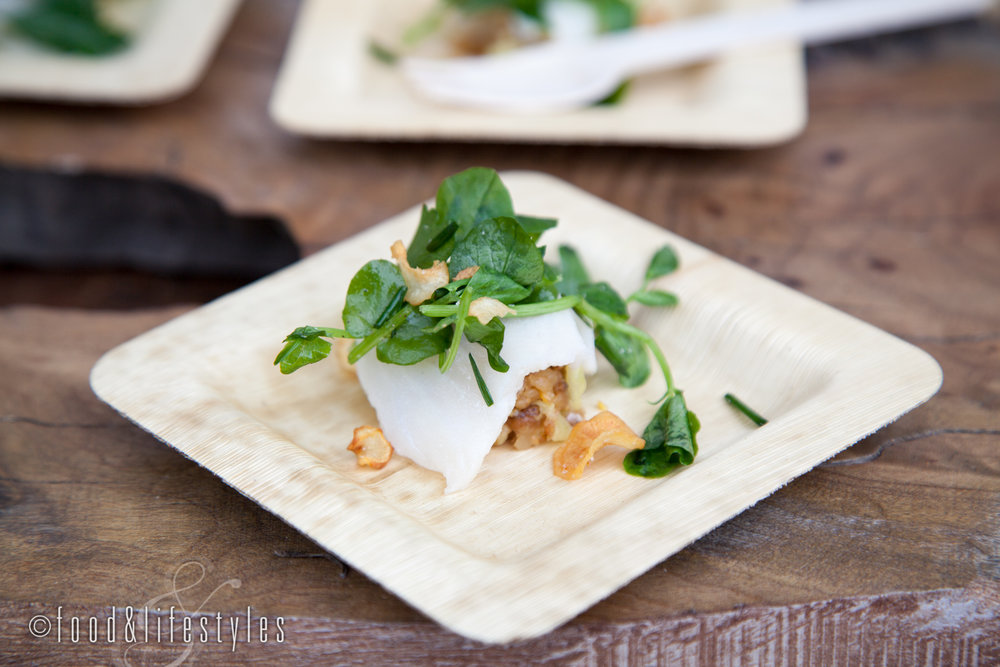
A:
x: 420, y: 283
x: 485, y: 308
x: 604, y: 428
x: 371, y: 447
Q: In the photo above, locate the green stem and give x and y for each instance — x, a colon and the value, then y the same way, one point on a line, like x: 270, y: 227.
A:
x: 462, y: 310
x: 373, y: 339
x: 520, y: 310
x: 750, y: 413
x: 600, y: 318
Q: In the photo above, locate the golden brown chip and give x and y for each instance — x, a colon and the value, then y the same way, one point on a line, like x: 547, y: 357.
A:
x: 371, y: 447
x: 485, y: 308
x: 604, y: 428
x: 420, y: 283
x: 467, y: 272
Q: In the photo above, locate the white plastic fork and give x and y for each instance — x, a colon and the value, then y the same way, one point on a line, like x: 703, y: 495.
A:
x: 560, y: 76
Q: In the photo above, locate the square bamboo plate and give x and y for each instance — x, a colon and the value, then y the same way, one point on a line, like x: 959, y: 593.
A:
x: 330, y: 86
x: 172, y: 41
x: 519, y: 551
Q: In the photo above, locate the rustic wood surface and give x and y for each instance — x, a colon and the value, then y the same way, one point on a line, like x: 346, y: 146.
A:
x: 887, y: 207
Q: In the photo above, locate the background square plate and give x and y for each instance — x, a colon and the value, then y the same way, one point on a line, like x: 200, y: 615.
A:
x: 519, y: 551
x: 329, y: 85
x: 172, y: 41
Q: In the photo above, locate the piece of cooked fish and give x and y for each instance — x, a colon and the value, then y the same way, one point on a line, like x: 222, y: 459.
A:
x: 440, y: 420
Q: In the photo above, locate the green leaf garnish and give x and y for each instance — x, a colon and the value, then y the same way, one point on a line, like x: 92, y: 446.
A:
x: 603, y: 297
x: 654, y: 298
x: 373, y: 291
x: 502, y: 246
x: 664, y: 262
x: 742, y: 407
x: 412, y: 341
x: 626, y: 353
x: 490, y: 336
x: 70, y: 26
x: 483, y: 389
x: 670, y: 441
x: 306, y: 346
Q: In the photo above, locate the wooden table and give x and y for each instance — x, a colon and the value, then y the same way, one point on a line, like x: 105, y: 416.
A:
x: 888, y: 207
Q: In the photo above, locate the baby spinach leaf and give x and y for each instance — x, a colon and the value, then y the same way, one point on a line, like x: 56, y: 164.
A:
x: 412, y: 341
x: 604, y: 297
x: 499, y: 245
x: 531, y: 9
x: 306, y: 346
x: 574, y: 274
x: 496, y: 285
x: 654, y: 298
x: 535, y: 226
x: 626, y: 354
x: 428, y: 232
x: 490, y: 336
x: 472, y: 196
x: 613, y: 15
x: 663, y: 262
x: 70, y: 26
x: 670, y: 440
x: 373, y: 291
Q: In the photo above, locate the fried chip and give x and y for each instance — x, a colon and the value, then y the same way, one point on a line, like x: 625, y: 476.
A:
x: 420, y: 283
x: 604, y: 428
x: 371, y: 447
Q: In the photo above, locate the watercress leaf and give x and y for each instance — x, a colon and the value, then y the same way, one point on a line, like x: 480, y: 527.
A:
x: 670, y: 440
x: 613, y: 15
x: 604, y: 297
x: 470, y: 197
x: 655, y: 298
x: 373, y: 290
x: 429, y: 229
x: 615, y: 96
x: 531, y: 9
x: 573, y: 273
x: 70, y: 26
x: 663, y: 262
x: 499, y: 245
x: 302, y: 347
x: 535, y: 226
x: 490, y: 336
x: 626, y: 354
x: 412, y: 341
x: 496, y: 285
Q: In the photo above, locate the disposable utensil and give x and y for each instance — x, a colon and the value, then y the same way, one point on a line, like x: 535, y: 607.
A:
x: 559, y: 76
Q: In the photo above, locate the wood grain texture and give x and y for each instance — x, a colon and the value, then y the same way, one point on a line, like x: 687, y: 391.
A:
x: 887, y: 207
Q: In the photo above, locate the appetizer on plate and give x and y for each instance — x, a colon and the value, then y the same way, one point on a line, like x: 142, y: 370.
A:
x: 478, y: 27
x: 468, y: 339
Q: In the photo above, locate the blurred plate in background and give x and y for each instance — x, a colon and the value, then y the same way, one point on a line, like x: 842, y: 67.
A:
x: 171, y: 43
x: 330, y: 86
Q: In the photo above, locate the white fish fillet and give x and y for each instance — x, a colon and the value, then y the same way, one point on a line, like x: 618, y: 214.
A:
x: 440, y: 421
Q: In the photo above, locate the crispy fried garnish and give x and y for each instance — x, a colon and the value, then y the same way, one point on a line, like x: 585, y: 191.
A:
x: 467, y: 272
x: 420, y: 283
x: 371, y: 447
x: 604, y: 428
x: 485, y: 308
